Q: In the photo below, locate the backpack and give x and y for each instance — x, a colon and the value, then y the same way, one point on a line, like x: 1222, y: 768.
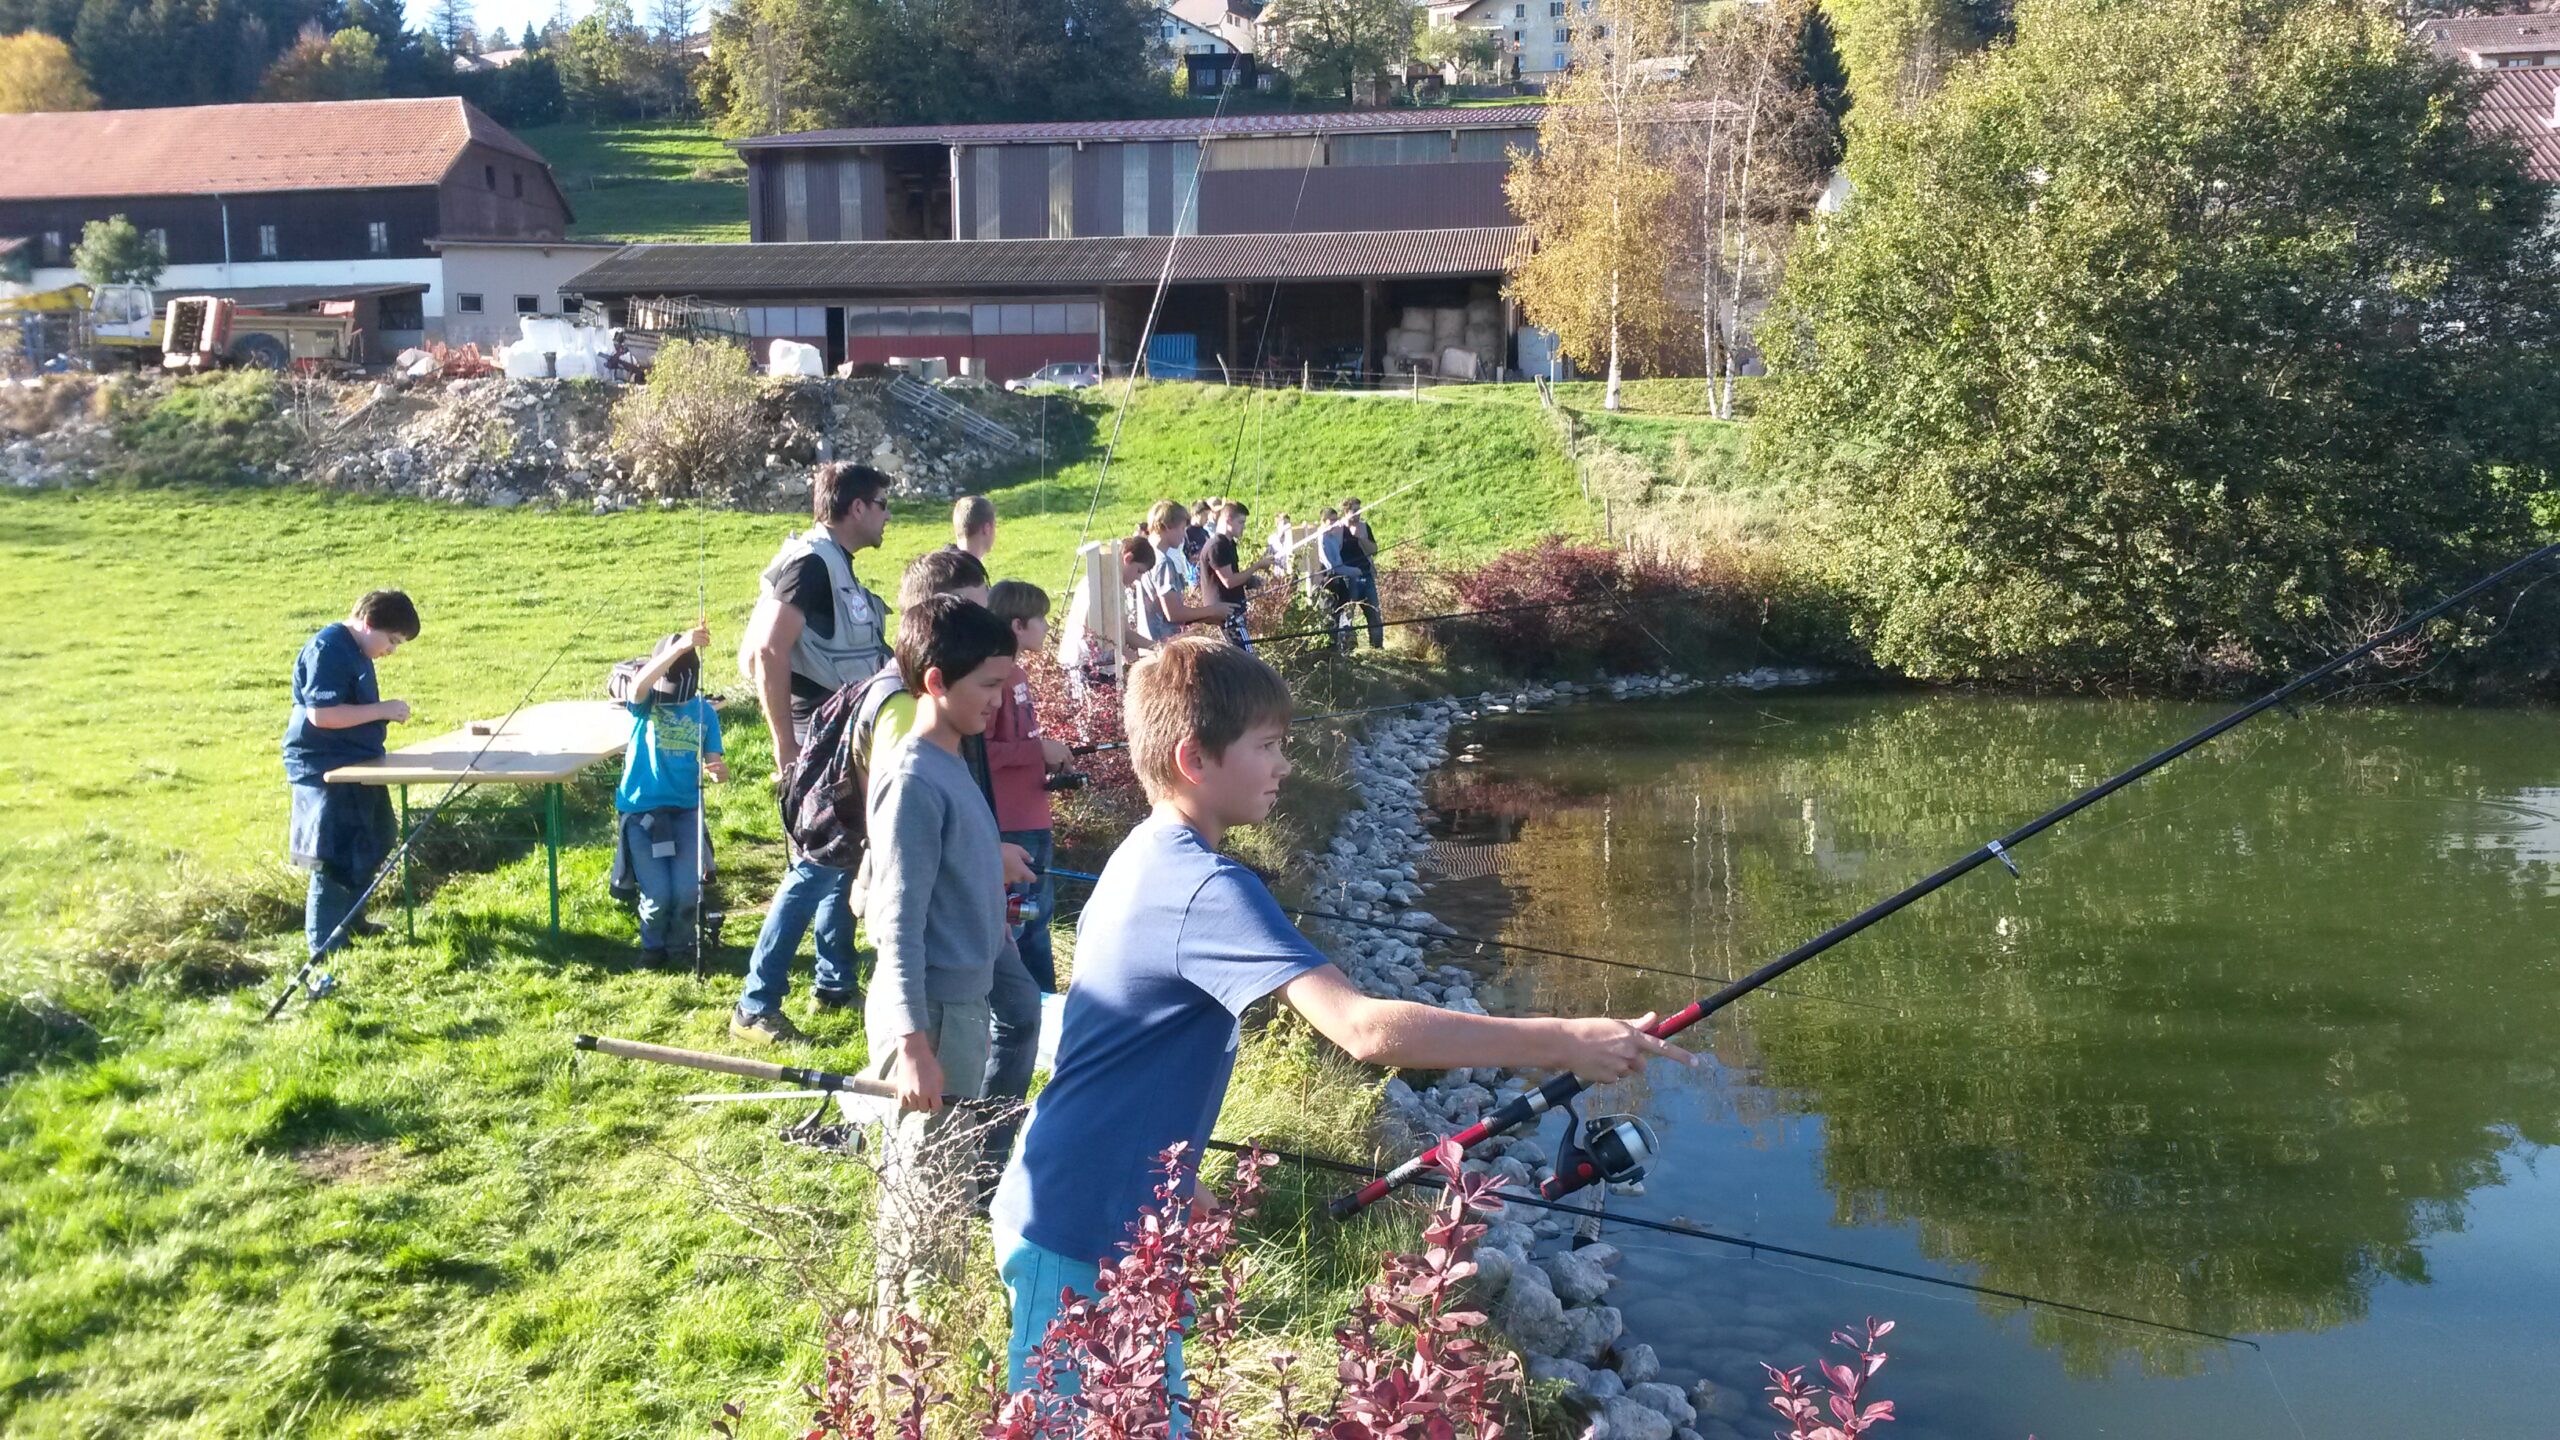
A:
x: 825, y: 801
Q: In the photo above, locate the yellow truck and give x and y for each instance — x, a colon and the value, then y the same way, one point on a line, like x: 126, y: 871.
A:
x: 117, y: 326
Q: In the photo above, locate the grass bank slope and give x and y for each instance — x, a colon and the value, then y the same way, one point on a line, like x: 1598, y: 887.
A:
x: 662, y: 180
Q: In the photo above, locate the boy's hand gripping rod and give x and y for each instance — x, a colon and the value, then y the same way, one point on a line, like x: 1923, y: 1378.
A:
x: 1563, y: 1088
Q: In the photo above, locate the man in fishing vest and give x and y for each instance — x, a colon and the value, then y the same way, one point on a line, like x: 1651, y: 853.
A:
x: 815, y: 629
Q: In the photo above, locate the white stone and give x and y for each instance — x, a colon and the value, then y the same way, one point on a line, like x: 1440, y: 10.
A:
x: 1667, y: 1399
x: 1577, y: 1281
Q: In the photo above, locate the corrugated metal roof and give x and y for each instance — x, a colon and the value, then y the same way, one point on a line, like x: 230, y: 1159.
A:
x: 242, y: 149
x: 1481, y: 117
x: 817, y: 268
x: 2520, y: 103
x: 2454, y: 35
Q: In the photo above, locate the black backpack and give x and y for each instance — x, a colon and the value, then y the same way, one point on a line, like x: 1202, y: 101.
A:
x: 824, y: 803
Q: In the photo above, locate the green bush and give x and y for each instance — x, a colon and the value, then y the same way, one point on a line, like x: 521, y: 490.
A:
x: 2176, y: 344
x: 220, y: 429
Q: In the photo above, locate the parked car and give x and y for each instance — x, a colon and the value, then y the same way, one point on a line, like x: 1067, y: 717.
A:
x: 1065, y: 375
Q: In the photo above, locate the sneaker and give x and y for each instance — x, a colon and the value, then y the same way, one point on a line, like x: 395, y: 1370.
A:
x: 837, y: 999
x: 770, y: 1028
x: 367, y: 930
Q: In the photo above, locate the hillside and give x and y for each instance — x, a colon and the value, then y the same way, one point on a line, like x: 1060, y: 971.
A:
x: 666, y: 180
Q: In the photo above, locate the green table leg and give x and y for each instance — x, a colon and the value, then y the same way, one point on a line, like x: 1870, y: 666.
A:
x: 408, y: 898
x: 551, y: 842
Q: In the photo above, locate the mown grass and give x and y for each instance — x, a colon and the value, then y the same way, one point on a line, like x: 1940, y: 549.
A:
x: 664, y: 180
x: 402, y: 1211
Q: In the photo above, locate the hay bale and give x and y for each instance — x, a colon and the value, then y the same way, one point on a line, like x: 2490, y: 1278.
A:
x: 1448, y: 327
x: 1415, y: 318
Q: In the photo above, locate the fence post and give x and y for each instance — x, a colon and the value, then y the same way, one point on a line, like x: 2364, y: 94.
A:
x: 1608, y: 518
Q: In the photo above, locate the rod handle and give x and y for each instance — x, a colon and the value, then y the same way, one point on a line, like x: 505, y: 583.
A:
x: 737, y: 1065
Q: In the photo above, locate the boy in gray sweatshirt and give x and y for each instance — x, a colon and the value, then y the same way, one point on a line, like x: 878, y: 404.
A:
x: 936, y: 913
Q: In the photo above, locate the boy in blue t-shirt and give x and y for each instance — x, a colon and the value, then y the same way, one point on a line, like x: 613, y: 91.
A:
x: 675, y: 739
x: 342, y: 833
x: 1176, y: 942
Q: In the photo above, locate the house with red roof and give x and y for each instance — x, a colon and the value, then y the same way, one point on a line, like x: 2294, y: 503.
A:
x: 423, y: 218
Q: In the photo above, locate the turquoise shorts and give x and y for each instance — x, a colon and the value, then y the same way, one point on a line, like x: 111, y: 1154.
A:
x: 1036, y: 1279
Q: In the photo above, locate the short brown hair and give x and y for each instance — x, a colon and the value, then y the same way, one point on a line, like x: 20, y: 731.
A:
x: 1018, y: 600
x: 1197, y: 687
x: 834, y: 486
x: 949, y: 634
x: 1166, y: 513
x: 1138, y: 548
x: 971, y: 514
x: 388, y: 611
x: 939, y: 572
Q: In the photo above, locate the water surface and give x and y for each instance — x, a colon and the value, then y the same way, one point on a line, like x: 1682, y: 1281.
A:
x: 2268, y: 1045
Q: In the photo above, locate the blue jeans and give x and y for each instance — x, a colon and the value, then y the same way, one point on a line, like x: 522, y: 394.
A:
x: 811, y: 895
x: 1034, y: 1277
x: 327, y: 905
x: 1039, y: 908
x: 1364, y: 593
x: 670, y: 883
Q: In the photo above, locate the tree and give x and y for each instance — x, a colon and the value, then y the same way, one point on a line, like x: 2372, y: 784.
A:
x: 2174, y: 343
x: 798, y: 64
x: 1598, y: 196
x: 177, y: 52
x: 449, y: 25
x: 1330, y: 45
x: 113, y: 252
x: 1462, y: 51
x: 1758, y: 151
x: 344, y: 66
x: 675, y: 20
x: 688, y: 432
x: 37, y: 73
x: 1896, y: 50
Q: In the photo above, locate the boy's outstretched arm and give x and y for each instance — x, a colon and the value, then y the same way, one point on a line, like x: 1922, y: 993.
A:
x: 1420, y: 1037
x: 656, y: 670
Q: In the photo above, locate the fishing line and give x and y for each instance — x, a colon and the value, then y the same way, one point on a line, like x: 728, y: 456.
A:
x: 461, y: 783
x: 1744, y: 1242
x: 1146, y: 332
x: 1562, y: 1089
x: 1485, y: 941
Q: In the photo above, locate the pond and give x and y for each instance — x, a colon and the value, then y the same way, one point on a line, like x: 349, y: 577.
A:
x: 2268, y: 1045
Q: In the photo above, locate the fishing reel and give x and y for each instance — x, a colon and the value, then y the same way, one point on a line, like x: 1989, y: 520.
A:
x: 321, y: 986
x: 1065, y: 780
x: 1610, y: 1150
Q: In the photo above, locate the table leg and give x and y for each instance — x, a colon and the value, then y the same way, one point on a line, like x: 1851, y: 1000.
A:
x: 551, y: 842
x: 408, y: 898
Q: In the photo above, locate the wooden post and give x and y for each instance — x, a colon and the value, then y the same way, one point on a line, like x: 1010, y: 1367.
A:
x: 1368, y: 328
x: 1235, y: 330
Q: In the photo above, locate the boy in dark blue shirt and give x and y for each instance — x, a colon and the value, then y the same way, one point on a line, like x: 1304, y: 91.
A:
x: 342, y: 833
x: 675, y: 741
x: 1176, y: 942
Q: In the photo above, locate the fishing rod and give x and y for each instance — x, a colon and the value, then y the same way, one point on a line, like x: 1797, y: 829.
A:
x: 1561, y: 1090
x: 1486, y: 941
x: 1755, y: 1247
x: 808, y: 1078
x: 1110, y: 745
x: 381, y: 872
x: 1493, y: 610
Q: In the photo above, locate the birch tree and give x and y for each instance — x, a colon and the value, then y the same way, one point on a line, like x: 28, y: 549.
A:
x: 1759, y: 143
x: 1598, y: 196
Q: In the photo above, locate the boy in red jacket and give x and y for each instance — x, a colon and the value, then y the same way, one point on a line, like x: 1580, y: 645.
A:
x: 1019, y: 759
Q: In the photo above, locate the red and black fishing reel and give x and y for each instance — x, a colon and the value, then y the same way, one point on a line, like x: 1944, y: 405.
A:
x: 1611, y: 1149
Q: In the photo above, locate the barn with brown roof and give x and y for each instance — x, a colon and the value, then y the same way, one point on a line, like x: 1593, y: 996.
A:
x: 377, y: 206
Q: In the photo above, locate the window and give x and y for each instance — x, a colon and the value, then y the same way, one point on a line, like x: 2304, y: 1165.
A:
x: 1133, y: 190
x: 466, y: 304
x: 1519, y: 12
x: 519, y: 175
x: 377, y: 237
x: 528, y: 304
x: 53, y: 247
x: 1558, y: 61
x: 266, y: 242
x: 1043, y: 318
x: 1555, y: 9
x: 1564, y: 35
x: 490, y: 174
x: 159, y: 239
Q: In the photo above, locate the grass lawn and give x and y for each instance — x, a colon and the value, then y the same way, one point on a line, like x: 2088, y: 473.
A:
x: 660, y: 180
x: 401, y: 1211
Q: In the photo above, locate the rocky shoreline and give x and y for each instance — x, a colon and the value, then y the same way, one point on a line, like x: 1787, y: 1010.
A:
x: 1547, y: 1295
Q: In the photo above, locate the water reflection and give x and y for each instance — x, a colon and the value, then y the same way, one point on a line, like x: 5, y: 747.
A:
x: 2236, y: 1053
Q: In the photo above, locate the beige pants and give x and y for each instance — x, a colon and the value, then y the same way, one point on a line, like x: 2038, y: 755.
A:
x: 929, y: 1163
